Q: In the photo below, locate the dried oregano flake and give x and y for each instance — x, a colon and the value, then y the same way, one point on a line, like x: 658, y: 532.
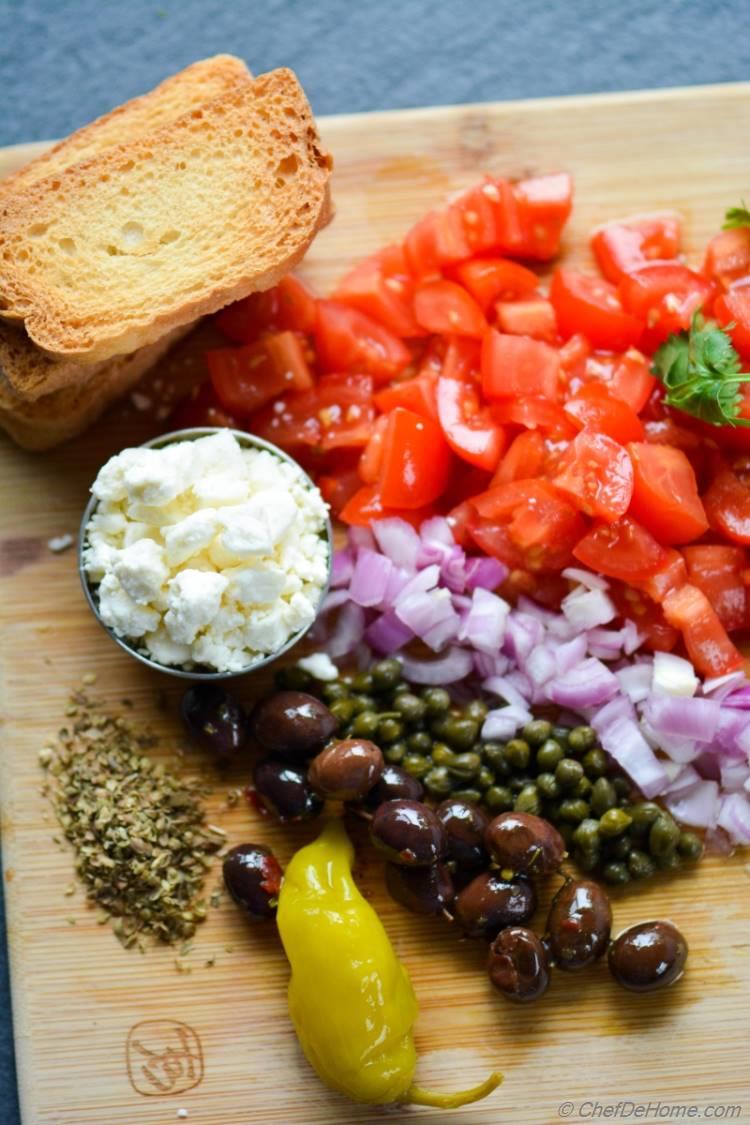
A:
x: 143, y: 847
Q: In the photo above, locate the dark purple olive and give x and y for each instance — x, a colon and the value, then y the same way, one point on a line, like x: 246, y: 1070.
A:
x: 408, y: 833
x: 346, y: 770
x: 524, y: 844
x: 579, y: 923
x: 465, y: 825
x: 423, y: 890
x: 648, y: 956
x: 518, y: 964
x: 214, y: 718
x: 292, y: 724
x: 394, y: 783
x: 489, y: 903
x: 252, y: 875
x: 284, y: 790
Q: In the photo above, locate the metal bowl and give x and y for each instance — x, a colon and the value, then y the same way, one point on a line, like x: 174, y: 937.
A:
x: 198, y: 673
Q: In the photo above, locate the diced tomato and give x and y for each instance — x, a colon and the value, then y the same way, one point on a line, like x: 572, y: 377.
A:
x: 371, y: 460
x: 623, y: 246
x: 541, y: 524
x: 494, y: 539
x: 631, y: 603
x: 288, y: 306
x: 664, y: 296
x: 288, y: 352
x: 478, y: 218
x: 573, y: 355
x: 544, y: 204
x: 201, y: 408
x: 728, y: 256
x: 509, y: 227
x: 596, y: 473
x: 467, y: 425
x: 624, y: 550
x: 297, y: 308
x: 727, y: 504
x: 382, y: 287
x: 733, y: 307
x: 590, y: 305
x: 291, y: 422
x: 535, y: 412
x: 417, y: 394
x: 594, y: 408
x: 517, y: 365
x: 416, y: 461
x: 718, y: 570
x: 708, y: 646
x: 349, y: 340
x: 632, y: 381
x: 665, y: 493
x: 495, y: 279
x: 667, y: 431
x: 366, y: 505
x: 246, y: 378
x: 461, y: 519
x: 461, y: 358
x: 345, y: 410
x: 670, y: 576
x: 436, y: 240
x: 533, y: 316
x: 338, y: 489
x: 446, y: 307
x: 524, y: 460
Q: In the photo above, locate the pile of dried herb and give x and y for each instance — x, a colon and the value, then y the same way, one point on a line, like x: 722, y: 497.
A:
x: 143, y: 848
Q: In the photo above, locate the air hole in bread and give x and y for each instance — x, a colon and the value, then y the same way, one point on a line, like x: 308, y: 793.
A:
x: 180, y: 165
x: 169, y: 236
x: 67, y: 245
x: 132, y: 235
x: 288, y: 166
x: 37, y: 230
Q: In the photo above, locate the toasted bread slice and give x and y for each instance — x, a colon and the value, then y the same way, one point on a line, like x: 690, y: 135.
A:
x: 110, y: 254
x: 29, y: 374
x: 59, y: 416
x: 192, y: 87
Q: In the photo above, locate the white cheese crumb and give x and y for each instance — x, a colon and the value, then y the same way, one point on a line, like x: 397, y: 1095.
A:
x: 194, y: 599
x: 59, y: 543
x: 320, y: 666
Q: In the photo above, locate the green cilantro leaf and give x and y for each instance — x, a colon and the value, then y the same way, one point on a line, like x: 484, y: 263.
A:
x: 702, y: 374
x: 736, y: 217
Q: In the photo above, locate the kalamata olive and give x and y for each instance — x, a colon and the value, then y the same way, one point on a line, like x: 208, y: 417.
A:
x: 394, y: 783
x: 292, y: 723
x: 409, y: 833
x: 465, y: 825
x: 578, y: 925
x: 253, y: 876
x: 524, y: 844
x: 214, y: 718
x: 285, y: 790
x: 346, y: 770
x: 423, y: 890
x: 489, y: 903
x: 648, y: 956
x: 518, y: 964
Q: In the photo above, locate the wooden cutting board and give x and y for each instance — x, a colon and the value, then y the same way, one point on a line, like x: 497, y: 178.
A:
x: 222, y: 1045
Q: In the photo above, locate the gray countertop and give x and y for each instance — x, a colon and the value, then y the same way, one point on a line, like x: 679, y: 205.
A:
x: 64, y: 62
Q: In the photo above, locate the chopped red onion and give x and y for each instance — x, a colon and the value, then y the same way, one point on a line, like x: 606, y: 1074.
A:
x: 734, y: 818
x: 348, y: 630
x: 342, y: 567
x: 541, y: 665
x: 499, y: 685
x: 674, y: 675
x: 624, y: 741
x: 454, y: 665
x: 504, y: 723
x: 485, y: 572
x: 696, y: 805
x: 618, y: 708
x: 585, y: 578
x: 588, y: 684
x: 369, y: 580
x: 423, y: 580
x: 690, y: 718
x: 635, y: 681
x: 588, y: 608
x: 334, y: 599
x: 398, y: 540
x: 387, y: 634
x: 484, y: 625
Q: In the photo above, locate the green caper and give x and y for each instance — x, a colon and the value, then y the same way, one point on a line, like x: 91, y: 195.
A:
x: 442, y: 755
x: 485, y: 777
x: 586, y: 835
x: 385, y: 674
x: 493, y: 754
x: 362, y: 682
x: 395, y: 753
x: 294, y: 678
x: 689, y: 845
x: 616, y: 873
x: 587, y: 860
x: 517, y: 782
x: 623, y: 788
x: 460, y: 733
x: 389, y: 730
x: 439, y: 724
x: 437, y: 781
x: 466, y: 766
x: 669, y: 862
x: 663, y: 836
x: 613, y: 822
x: 574, y: 810
x: 437, y: 701
x: 476, y: 710
x: 619, y: 847
x: 561, y: 734
x: 410, y: 706
x: 595, y: 763
x: 420, y: 742
x: 336, y: 689
x: 343, y: 710
x: 416, y: 764
x: 568, y: 772
x: 528, y: 800
x: 363, y: 703
x: 581, y: 739
x: 473, y: 796
x: 640, y: 864
x: 603, y: 796
x: 582, y: 788
x: 537, y: 732
x: 518, y: 753
x: 643, y: 816
x: 365, y: 724
x: 547, y: 785
x: 548, y: 755
x: 498, y: 798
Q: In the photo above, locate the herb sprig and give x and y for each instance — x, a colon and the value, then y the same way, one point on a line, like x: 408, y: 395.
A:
x: 702, y: 374
x: 736, y: 217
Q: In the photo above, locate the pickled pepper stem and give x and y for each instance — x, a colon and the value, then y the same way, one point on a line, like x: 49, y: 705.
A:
x: 415, y: 1095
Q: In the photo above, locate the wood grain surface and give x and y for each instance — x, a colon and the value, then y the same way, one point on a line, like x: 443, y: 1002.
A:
x: 82, y: 1003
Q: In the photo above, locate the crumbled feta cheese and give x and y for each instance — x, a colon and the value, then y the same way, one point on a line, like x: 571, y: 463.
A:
x: 59, y: 543
x: 206, y: 552
x: 320, y: 666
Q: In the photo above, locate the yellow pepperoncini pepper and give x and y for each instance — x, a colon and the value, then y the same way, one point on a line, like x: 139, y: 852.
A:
x: 350, y: 998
